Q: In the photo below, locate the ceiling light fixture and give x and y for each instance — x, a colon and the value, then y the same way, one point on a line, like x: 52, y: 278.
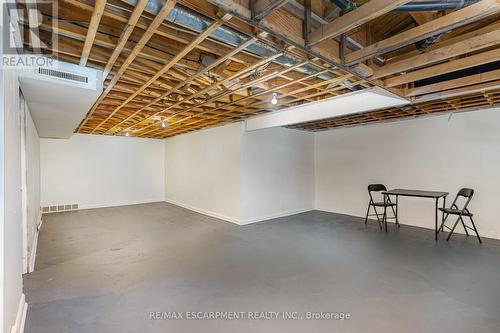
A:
x: 163, y: 124
x: 274, y: 100
x: 127, y: 133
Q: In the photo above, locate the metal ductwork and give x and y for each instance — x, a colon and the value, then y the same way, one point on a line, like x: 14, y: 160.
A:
x: 194, y: 21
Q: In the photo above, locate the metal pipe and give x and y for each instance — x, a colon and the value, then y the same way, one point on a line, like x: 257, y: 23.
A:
x: 434, y: 5
x: 348, y: 5
x: 422, y: 45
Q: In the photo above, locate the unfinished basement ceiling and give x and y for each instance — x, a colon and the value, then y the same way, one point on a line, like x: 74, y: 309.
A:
x: 178, y: 66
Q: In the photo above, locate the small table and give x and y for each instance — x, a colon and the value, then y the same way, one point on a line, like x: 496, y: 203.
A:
x: 419, y: 194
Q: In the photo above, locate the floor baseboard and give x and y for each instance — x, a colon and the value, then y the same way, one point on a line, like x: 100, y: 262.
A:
x: 32, y: 258
x: 203, y: 211
x: 275, y: 215
x: 22, y: 310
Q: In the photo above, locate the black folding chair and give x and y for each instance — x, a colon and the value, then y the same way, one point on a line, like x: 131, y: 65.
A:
x: 461, y: 212
x: 381, y: 218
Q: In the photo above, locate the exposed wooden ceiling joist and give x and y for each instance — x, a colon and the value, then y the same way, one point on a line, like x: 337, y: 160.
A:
x: 262, y: 8
x: 169, y: 65
x: 446, y: 52
x: 447, y: 67
x: 169, y: 5
x: 125, y: 35
x: 92, y: 30
x: 195, y: 82
x: 353, y: 19
x: 445, y: 23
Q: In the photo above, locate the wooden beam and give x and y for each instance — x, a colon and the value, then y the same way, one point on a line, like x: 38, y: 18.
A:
x: 207, y: 32
x: 227, y: 80
x: 254, y: 96
x: 127, y: 31
x: 424, y: 17
x: 447, y: 67
x: 158, y: 20
x: 212, y: 100
x: 450, y: 38
x: 445, y: 23
x: 34, y: 23
x: 353, y: 19
x: 175, y: 130
x: 482, y: 87
x: 200, y: 72
x: 307, y: 21
x: 451, y: 84
x: 446, y: 52
x: 327, y: 51
x: 262, y: 8
x: 251, y: 105
x: 99, y: 7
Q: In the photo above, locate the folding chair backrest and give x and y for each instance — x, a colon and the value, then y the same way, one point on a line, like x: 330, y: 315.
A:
x: 375, y: 188
x: 466, y: 193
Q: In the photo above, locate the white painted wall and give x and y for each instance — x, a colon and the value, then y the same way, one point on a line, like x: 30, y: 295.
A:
x: 101, y: 171
x: 2, y: 190
x: 277, y: 173
x: 429, y: 153
x: 203, y: 171
x: 12, y: 251
x: 32, y: 180
x: 240, y: 176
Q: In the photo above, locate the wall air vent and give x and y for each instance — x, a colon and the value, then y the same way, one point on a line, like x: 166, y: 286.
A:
x: 59, y: 208
x: 62, y: 75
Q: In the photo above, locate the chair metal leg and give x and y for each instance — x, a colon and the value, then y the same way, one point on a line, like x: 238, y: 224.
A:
x: 444, y: 218
x: 367, y: 212
x: 463, y: 225
x: 378, y: 217
x: 474, y: 226
x: 453, y: 228
x: 385, y: 218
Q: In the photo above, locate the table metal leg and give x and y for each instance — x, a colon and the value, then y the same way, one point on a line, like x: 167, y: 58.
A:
x: 436, y: 222
x: 397, y: 216
x: 385, y: 212
x: 442, y: 217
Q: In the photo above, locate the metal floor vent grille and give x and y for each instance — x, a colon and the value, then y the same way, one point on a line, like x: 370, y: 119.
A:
x: 62, y: 75
x: 59, y: 208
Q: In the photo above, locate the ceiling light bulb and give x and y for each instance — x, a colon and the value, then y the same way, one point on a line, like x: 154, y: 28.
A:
x: 127, y: 134
x: 274, y: 100
x: 163, y: 124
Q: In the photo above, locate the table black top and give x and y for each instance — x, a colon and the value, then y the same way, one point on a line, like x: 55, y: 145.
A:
x: 416, y: 193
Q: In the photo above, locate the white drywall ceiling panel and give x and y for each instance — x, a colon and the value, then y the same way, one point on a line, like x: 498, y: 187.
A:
x: 355, y: 102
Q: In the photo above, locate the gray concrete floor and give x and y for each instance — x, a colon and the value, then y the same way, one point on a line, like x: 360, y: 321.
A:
x: 105, y: 270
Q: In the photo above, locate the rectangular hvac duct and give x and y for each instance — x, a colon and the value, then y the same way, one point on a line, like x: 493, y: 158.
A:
x: 355, y: 102
x: 59, y: 96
